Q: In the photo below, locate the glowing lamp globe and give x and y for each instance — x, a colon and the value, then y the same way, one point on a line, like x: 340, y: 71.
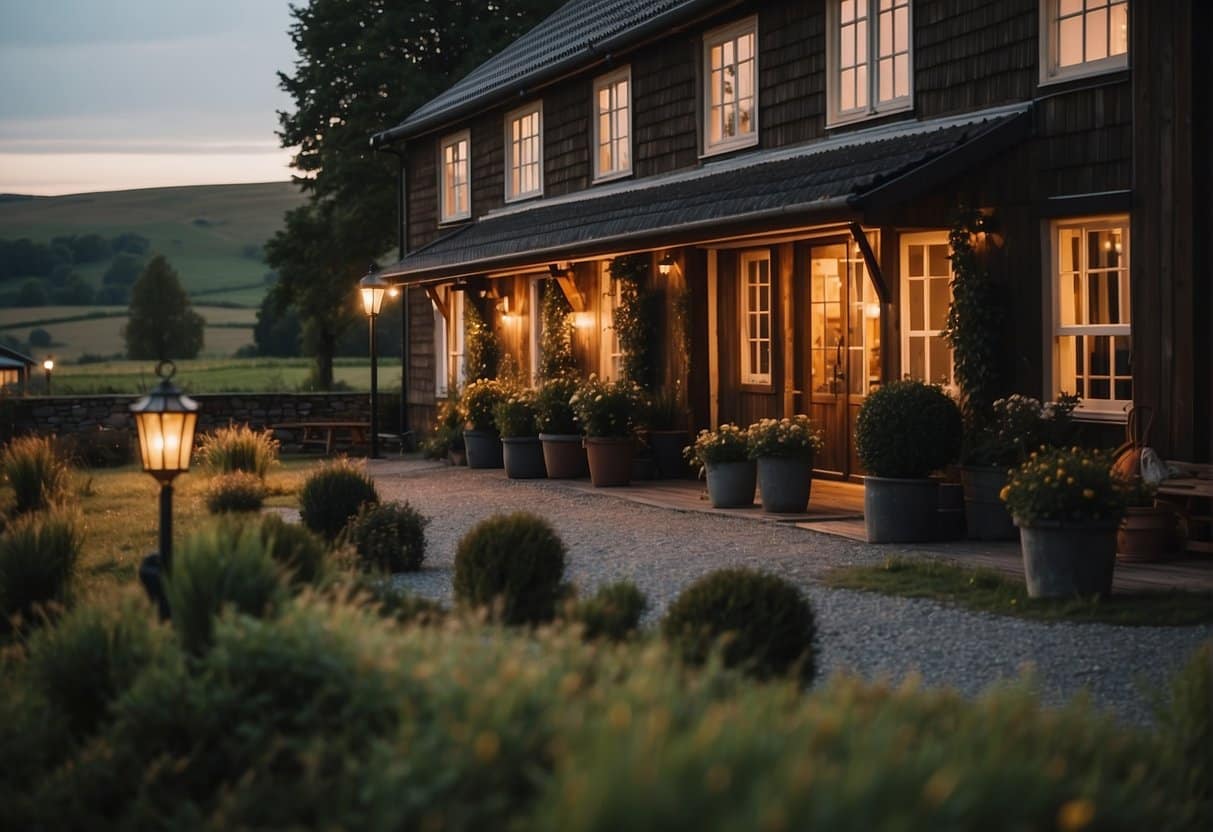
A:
x: 165, y: 419
x: 373, y: 289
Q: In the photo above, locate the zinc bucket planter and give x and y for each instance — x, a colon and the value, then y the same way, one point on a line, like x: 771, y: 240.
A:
x: 523, y: 457
x: 899, y: 510
x: 610, y: 459
x: 483, y: 448
x: 731, y: 484
x: 1067, y: 560
x: 986, y: 516
x: 784, y: 484
x: 564, y: 456
x: 667, y: 448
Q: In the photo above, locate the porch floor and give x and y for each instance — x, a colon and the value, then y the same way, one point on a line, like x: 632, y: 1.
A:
x: 836, y: 508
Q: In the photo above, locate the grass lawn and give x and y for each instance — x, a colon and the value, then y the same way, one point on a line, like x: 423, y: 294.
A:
x: 219, y: 375
x: 985, y: 590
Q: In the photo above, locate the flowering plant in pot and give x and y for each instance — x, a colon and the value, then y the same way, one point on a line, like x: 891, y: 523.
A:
x: 905, y: 430
x: 522, y: 451
x: 1067, y: 504
x: 723, y: 456
x: 784, y: 450
x: 559, y: 431
x: 480, y: 435
x: 608, y: 411
x: 446, y: 438
x: 666, y: 421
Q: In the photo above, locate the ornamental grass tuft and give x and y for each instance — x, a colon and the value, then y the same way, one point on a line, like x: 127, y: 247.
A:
x: 38, y: 474
x: 239, y: 448
x: 39, y: 557
x: 236, y: 492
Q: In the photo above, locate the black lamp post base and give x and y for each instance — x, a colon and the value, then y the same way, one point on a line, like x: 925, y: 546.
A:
x: 149, y: 576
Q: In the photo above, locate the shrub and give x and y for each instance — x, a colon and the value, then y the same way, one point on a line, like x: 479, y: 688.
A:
x: 92, y: 656
x: 613, y: 612
x: 239, y: 449
x: 478, y: 402
x: 400, y: 605
x: 728, y: 443
x: 294, y: 548
x: 332, y: 494
x: 389, y: 537
x: 512, y: 560
x: 907, y: 429
x: 447, y: 434
x: 608, y: 408
x: 1065, y: 484
x: 762, y: 623
x: 553, y: 413
x: 1184, y: 715
x: 235, y: 492
x: 100, y: 447
x: 790, y: 438
x: 39, y: 554
x: 225, y: 565
x: 514, y: 416
x: 38, y: 474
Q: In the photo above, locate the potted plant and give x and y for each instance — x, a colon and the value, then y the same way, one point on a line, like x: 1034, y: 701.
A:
x: 784, y: 450
x: 1067, y: 504
x: 667, y: 433
x: 1017, y: 425
x: 722, y: 454
x: 1149, y: 531
x: 480, y: 435
x: 515, y: 419
x: 559, y: 431
x: 905, y: 430
x: 446, y: 439
x: 607, y: 411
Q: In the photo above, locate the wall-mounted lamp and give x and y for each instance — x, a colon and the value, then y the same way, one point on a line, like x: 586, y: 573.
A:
x: 666, y: 264
x: 503, y: 305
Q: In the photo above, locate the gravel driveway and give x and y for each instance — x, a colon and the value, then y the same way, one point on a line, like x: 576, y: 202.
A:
x: 663, y: 550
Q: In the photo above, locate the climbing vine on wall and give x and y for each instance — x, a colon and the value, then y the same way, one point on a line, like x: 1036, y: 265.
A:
x: 973, y: 325
x: 636, y: 319
x: 556, y: 339
x: 482, y: 349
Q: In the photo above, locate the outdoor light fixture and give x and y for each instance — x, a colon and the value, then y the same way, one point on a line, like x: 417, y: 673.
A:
x: 666, y: 264
x: 165, y: 420
x: 48, y: 366
x: 373, y: 288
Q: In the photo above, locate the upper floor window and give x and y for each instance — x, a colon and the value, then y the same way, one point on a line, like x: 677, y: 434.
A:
x: 456, y: 181
x: 524, y: 152
x: 869, y: 56
x: 1083, y: 37
x: 755, y: 317
x: 730, y: 73
x: 613, y: 124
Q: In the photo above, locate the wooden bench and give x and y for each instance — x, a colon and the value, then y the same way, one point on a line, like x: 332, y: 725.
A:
x: 1192, y: 495
x: 328, y: 434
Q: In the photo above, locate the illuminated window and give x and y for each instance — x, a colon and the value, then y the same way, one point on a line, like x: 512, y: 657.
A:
x: 869, y: 54
x: 613, y: 124
x: 926, y: 294
x: 755, y: 317
x: 524, y: 152
x: 610, y: 353
x: 448, y: 343
x: 730, y: 74
x: 456, y: 180
x: 1083, y: 37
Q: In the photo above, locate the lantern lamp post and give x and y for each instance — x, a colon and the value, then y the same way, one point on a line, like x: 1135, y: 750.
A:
x: 373, y: 289
x: 48, y: 367
x: 165, y: 419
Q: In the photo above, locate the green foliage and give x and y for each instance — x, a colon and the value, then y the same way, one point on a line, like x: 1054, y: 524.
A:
x: 790, y: 438
x: 235, y: 492
x: 161, y: 322
x: 397, y: 604
x: 239, y: 448
x: 728, y: 443
x: 92, y: 656
x: 1183, y: 713
x: 907, y: 429
x: 1018, y: 425
x: 124, y: 271
x: 39, y: 557
x: 447, y: 434
x: 608, y: 408
x: 636, y: 319
x: 514, y: 416
x: 482, y: 350
x: 278, y: 331
x: 100, y: 447
x: 974, y: 323
x: 513, y: 563
x: 332, y: 494
x: 478, y: 402
x: 38, y: 474
x: 225, y: 565
x: 388, y: 537
x: 553, y: 412
x: 32, y: 293
x: 556, y: 337
x: 667, y: 409
x: 1060, y: 485
x: 613, y: 612
x: 761, y: 623
x: 300, y: 553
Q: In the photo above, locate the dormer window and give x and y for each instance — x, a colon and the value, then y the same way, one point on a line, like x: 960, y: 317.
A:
x: 455, y: 187
x: 613, y: 124
x: 869, y: 52
x: 730, y: 76
x: 524, y: 152
x: 1082, y: 37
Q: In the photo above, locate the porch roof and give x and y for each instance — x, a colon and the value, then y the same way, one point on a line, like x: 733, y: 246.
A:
x: 826, y: 181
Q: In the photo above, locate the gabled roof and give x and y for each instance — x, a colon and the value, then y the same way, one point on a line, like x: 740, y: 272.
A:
x: 830, y: 180
x: 15, y: 358
x: 577, y: 34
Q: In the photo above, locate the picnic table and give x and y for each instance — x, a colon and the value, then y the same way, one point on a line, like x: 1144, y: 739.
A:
x: 328, y: 433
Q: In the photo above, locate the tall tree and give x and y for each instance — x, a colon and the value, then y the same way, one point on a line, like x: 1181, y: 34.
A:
x: 161, y: 322
x: 362, y: 66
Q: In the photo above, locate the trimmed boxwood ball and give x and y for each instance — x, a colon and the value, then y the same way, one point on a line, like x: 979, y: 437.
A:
x: 236, y: 492
x: 388, y: 537
x: 333, y: 494
x: 613, y: 612
x: 302, y: 554
x: 768, y: 622
x: 513, y: 563
x: 907, y: 429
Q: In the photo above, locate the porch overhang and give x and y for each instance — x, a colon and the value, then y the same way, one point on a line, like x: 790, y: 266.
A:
x: 832, y: 181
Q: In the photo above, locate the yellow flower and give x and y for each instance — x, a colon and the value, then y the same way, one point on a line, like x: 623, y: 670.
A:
x: 1002, y: 495
x: 1088, y: 493
x: 1075, y: 815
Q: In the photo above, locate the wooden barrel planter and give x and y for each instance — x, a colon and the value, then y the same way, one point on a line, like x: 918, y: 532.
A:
x: 1147, y: 533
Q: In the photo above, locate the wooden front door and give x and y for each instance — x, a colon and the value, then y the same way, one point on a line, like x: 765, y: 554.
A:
x: 839, y: 348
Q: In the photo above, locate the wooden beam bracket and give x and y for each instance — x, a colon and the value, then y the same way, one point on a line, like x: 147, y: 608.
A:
x: 571, y: 293
x: 439, y: 302
x: 869, y: 259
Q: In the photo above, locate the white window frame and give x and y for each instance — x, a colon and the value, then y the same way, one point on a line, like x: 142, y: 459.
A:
x: 1051, y: 71
x: 1114, y: 410
x: 457, y: 352
x: 835, y: 115
x: 535, y: 335
x: 442, y: 374
x: 446, y: 214
x: 610, y: 81
x: 925, y: 239
x: 717, y: 37
x: 610, y: 353
x: 535, y: 107
x: 749, y: 335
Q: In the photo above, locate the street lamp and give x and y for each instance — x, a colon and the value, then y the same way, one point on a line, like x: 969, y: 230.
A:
x: 165, y: 420
x: 373, y: 289
x: 48, y: 366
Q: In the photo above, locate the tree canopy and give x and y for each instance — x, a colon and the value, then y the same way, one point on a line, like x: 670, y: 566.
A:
x: 161, y: 323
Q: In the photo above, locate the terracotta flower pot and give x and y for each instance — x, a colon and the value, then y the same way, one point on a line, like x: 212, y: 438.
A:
x: 1147, y: 533
x: 610, y: 459
x: 564, y: 456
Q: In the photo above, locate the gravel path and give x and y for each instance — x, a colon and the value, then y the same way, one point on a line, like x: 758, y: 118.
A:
x: 663, y: 550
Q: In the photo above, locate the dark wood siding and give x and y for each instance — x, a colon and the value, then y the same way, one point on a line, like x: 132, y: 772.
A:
x: 663, y: 104
x: 791, y: 73
x: 422, y: 191
x: 566, y: 137
x: 488, y: 163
